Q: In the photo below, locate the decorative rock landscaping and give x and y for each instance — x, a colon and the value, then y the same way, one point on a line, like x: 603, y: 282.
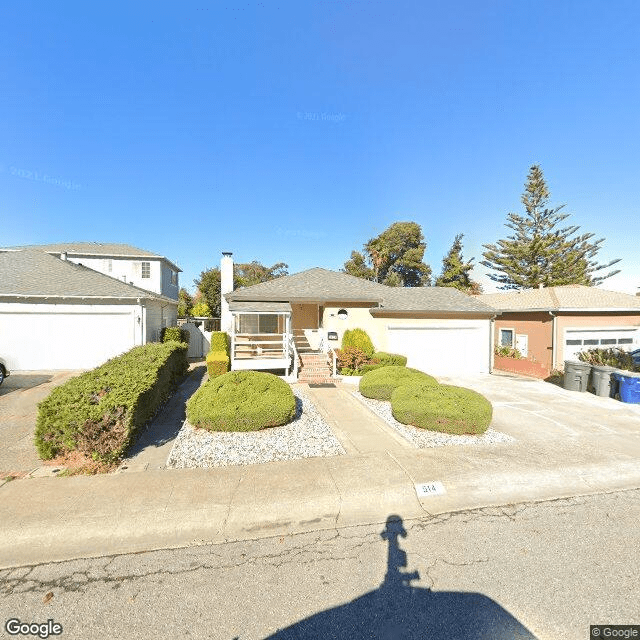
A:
x: 306, y: 436
x: 429, y: 439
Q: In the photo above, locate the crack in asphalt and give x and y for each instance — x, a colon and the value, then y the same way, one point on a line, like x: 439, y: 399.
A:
x: 23, y: 580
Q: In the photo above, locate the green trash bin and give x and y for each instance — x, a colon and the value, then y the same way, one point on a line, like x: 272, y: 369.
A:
x: 601, y: 380
x: 576, y: 375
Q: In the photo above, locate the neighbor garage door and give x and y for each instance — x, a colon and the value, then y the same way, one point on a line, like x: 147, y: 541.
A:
x: 455, y: 350
x: 577, y: 340
x: 50, y: 339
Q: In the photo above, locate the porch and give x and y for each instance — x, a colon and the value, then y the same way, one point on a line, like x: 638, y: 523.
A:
x: 274, y: 336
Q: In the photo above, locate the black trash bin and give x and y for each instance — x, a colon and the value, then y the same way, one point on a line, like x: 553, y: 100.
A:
x: 576, y: 375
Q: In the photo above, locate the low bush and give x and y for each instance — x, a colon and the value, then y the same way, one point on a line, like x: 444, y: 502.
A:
x: 611, y: 357
x: 507, y: 352
x: 380, y: 383
x: 442, y: 408
x: 218, y: 363
x: 358, y: 338
x: 178, y: 334
x: 351, y: 359
x: 242, y: 401
x: 99, y: 412
x: 390, y: 359
x: 220, y: 342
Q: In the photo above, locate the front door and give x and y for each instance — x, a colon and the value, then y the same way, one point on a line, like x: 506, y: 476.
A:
x: 304, y: 316
x: 522, y: 344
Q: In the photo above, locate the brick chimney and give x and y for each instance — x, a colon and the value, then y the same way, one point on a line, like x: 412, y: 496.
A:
x: 226, y: 286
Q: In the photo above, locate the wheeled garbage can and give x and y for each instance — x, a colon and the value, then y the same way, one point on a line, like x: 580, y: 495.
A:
x: 576, y: 375
x: 629, y: 386
x: 601, y: 380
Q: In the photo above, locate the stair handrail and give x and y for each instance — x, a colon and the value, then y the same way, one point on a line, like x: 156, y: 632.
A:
x: 294, y: 352
x: 333, y: 356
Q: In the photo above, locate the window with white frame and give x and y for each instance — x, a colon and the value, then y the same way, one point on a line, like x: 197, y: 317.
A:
x: 174, y: 277
x: 257, y: 323
x: 506, y: 337
x: 146, y: 269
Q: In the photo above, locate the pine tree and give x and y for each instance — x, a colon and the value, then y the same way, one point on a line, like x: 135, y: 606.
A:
x: 540, y: 253
x: 456, y: 272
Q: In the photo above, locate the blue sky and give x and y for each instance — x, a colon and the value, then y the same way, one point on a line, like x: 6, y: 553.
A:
x: 296, y: 131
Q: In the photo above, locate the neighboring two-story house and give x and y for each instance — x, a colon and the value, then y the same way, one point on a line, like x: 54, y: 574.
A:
x: 75, y: 305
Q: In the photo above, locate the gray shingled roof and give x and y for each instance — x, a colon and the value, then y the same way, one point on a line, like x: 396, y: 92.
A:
x: 276, y: 307
x: 95, y: 249
x: 570, y: 297
x: 322, y: 285
x: 315, y: 284
x: 431, y: 299
x: 35, y: 273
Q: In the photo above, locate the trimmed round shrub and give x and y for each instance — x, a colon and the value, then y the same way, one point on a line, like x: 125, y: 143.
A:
x: 379, y: 384
x: 444, y: 408
x: 358, y: 338
x: 390, y: 359
x: 242, y: 401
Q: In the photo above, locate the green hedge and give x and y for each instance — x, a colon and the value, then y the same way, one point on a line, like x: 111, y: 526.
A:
x: 220, y: 342
x: 100, y: 411
x: 177, y: 334
x: 390, y: 359
x: 217, y: 363
x: 242, y: 401
x: 442, y: 408
x: 380, y: 383
x: 358, y: 338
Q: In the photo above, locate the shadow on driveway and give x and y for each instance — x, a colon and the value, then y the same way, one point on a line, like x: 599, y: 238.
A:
x: 153, y: 445
x: 18, y: 381
x: 397, y: 610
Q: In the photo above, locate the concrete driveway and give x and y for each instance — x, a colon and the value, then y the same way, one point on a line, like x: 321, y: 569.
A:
x: 19, y: 397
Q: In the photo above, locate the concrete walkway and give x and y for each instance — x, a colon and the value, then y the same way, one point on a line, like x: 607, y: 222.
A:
x: 359, y: 430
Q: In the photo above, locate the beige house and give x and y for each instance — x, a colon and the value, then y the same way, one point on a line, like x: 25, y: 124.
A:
x: 272, y: 324
x: 554, y: 324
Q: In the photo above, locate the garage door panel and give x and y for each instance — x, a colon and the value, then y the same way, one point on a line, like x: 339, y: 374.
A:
x: 443, y: 350
x: 45, y: 340
x: 585, y: 338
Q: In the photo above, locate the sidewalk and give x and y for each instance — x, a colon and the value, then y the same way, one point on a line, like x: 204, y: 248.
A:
x: 48, y: 518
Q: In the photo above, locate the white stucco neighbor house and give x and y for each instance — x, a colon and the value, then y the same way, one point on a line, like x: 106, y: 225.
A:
x: 74, y: 306
x: 440, y: 329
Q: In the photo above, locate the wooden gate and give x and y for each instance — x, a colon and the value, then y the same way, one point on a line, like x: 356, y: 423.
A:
x: 196, y: 340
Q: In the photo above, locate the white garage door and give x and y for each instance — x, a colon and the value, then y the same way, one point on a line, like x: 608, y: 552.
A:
x: 454, y: 350
x: 46, y: 340
x: 577, y: 340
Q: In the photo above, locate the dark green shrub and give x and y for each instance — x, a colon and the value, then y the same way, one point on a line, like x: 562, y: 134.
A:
x: 242, y: 401
x: 390, y: 359
x: 358, y: 338
x: 380, y: 383
x: 217, y: 363
x: 442, y: 407
x: 100, y: 411
x: 220, y: 342
x: 178, y: 334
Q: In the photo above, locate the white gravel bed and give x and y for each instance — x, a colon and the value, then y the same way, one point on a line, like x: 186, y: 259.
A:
x: 306, y: 436
x: 424, y: 439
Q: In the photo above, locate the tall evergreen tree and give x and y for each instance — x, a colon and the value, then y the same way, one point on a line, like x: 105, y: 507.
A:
x: 395, y: 258
x: 539, y: 252
x: 456, y: 272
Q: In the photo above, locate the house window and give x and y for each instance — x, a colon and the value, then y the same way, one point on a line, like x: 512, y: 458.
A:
x: 506, y: 337
x: 257, y: 323
x: 146, y: 269
x: 174, y: 277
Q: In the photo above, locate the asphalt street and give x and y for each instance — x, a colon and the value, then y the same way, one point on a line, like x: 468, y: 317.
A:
x: 540, y: 570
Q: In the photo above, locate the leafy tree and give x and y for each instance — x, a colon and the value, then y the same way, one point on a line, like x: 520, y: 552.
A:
x: 201, y: 310
x: 244, y: 275
x: 540, y: 253
x: 456, y: 272
x: 395, y: 257
x: 185, y: 303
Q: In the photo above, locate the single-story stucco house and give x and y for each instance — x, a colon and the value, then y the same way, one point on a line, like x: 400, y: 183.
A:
x: 554, y: 324
x: 440, y: 330
x: 56, y: 313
